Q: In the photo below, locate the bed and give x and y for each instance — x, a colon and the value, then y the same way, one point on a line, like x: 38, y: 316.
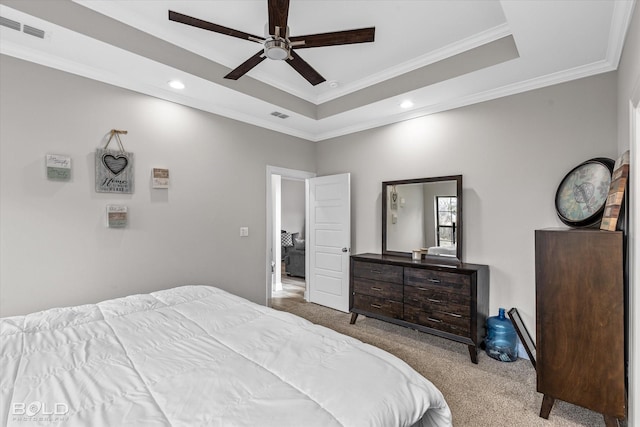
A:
x: 448, y: 250
x: 197, y: 355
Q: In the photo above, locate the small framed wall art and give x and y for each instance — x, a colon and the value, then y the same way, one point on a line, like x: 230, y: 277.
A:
x: 117, y: 216
x: 160, y: 178
x: 58, y: 167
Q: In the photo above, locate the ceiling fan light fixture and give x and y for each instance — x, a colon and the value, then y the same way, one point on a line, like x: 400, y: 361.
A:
x: 276, y: 48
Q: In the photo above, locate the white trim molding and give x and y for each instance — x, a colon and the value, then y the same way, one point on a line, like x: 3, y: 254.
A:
x: 284, y: 173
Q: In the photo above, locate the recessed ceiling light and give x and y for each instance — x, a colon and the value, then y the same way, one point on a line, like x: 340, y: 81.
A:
x: 334, y: 84
x: 406, y: 104
x: 176, y: 84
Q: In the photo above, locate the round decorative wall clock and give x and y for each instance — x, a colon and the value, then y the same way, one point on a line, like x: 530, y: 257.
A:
x: 582, y: 194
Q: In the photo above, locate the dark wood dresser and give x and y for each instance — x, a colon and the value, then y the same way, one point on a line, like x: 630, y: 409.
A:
x: 451, y: 301
x: 580, y: 309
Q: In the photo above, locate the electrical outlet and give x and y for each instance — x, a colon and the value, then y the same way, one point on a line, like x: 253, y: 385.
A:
x: 244, y: 231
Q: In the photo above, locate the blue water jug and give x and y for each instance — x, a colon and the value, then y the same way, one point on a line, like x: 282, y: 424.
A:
x: 501, y: 342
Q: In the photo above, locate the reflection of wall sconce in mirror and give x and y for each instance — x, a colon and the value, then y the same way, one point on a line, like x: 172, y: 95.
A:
x: 402, y: 202
x: 393, y: 198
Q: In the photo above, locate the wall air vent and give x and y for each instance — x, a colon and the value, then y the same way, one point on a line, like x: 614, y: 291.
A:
x: 9, y: 23
x: 279, y: 114
x: 36, y: 32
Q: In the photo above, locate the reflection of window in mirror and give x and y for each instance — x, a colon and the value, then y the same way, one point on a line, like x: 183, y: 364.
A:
x: 446, y: 220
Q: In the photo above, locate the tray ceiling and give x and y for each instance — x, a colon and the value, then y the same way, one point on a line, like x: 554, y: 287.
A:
x: 438, y: 54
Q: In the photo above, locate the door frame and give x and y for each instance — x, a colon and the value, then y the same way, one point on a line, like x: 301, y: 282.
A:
x: 634, y: 258
x: 288, y: 174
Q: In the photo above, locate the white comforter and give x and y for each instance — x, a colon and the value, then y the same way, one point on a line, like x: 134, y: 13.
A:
x: 196, y: 355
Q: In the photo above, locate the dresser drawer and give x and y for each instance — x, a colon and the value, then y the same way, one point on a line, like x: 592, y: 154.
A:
x: 428, y: 295
x: 377, y: 305
x: 442, y: 321
x: 450, y: 282
x: 393, y: 291
x: 378, y: 272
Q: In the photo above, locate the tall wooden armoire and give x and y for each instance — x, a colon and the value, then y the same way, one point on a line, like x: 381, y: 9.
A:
x: 580, y: 316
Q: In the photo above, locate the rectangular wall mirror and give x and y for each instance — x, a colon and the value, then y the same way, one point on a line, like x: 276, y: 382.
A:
x: 423, y: 214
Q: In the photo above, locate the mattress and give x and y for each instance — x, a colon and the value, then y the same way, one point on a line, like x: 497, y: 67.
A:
x: 196, y: 356
x: 442, y: 250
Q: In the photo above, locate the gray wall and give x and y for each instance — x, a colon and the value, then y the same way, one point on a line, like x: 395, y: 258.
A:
x: 512, y: 152
x: 54, y: 247
x: 55, y: 250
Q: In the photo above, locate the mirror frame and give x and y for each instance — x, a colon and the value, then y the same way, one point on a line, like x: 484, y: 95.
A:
x: 459, y: 228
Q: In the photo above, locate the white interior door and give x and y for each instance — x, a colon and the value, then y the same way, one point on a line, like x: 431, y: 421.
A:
x: 329, y: 240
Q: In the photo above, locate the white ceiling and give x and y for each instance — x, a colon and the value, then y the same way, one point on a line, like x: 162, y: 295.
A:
x: 439, y: 54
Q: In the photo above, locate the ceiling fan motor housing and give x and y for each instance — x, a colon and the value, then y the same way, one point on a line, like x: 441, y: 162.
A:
x: 276, y: 48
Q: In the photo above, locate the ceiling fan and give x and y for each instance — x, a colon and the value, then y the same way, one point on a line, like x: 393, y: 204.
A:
x: 277, y: 44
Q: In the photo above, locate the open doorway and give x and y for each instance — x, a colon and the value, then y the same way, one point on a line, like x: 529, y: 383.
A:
x: 292, y: 236
x: 287, y: 261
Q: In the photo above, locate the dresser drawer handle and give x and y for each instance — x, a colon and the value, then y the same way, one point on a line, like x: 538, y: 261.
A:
x: 376, y: 288
x: 437, y: 301
x: 431, y: 319
x: 433, y: 280
x: 455, y: 315
x: 376, y: 271
x: 376, y: 306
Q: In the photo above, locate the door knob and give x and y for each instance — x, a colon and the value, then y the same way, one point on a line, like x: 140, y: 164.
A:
x: 345, y: 250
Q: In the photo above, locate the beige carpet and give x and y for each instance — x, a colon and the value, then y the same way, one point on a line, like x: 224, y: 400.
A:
x: 491, y: 393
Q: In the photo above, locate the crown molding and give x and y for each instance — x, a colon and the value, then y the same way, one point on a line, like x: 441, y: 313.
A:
x: 482, y: 38
x: 622, y: 14
x: 500, y: 92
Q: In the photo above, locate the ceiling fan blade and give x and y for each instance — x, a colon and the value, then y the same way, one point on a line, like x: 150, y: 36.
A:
x: 205, y: 25
x: 246, y: 66
x: 278, y: 16
x: 305, y: 70
x: 361, y: 35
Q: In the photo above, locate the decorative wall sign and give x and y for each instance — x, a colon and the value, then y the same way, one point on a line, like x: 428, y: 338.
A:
x: 582, y: 194
x: 58, y: 167
x: 160, y: 178
x: 117, y: 216
x: 615, y: 197
x: 114, y: 168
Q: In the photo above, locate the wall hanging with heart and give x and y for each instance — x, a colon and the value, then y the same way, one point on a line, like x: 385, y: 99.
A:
x: 114, y: 168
